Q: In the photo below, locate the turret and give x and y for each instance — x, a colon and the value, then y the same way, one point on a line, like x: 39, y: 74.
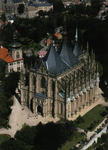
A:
x: 76, y: 51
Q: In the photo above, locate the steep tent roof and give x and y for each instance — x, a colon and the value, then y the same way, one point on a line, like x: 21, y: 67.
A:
x: 67, y: 56
x: 53, y: 62
x: 77, y: 51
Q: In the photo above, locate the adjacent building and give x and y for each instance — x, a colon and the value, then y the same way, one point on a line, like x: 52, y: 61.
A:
x: 13, y: 57
x: 31, y: 7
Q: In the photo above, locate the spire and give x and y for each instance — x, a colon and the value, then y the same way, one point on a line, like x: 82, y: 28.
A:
x: 76, y: 51
x: 15, y: 44
x: 87, y: 46
x: 76, y: 35
x: 14, y: 36
x: 96, y: 67
x: 97, y: 74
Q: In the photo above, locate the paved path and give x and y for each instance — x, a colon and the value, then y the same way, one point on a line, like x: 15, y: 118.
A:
x: 21, y: 115
x: 89, y: 134
x: 94, y: 139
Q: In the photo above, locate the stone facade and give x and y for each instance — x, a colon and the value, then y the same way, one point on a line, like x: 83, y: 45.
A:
x: 61, y: 93
x: 16, y: 53
x: 10, y: 7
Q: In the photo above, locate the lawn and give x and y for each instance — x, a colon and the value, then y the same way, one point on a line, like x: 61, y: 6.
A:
x: 88, y: 122
x: 93, y: 118
x: 77, y: 137
x: 4, y: 137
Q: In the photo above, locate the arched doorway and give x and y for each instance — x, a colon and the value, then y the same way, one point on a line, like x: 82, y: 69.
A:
x: 40, y: 110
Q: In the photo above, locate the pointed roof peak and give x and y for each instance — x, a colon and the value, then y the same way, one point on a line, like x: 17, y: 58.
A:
x: 66, y: 54
x: 76, y: 35
x: 53, y: 62
x: 14, y: 35
x: 15, y: 44
x: 77, y: 51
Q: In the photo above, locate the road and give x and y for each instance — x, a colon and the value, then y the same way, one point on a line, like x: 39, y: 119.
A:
x: 95, y: 138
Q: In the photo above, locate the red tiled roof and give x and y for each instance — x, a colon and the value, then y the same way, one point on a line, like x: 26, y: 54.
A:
x: 58, y: 35
x: 4, y: 55
x: 48, y: 42
x: 42, y: 52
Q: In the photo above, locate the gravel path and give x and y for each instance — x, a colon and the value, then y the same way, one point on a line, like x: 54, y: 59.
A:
x: 95, y: 138
x: 21, y: 115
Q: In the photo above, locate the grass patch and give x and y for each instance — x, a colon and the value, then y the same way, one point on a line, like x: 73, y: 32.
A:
x: 93, y: 118
x: 106, y: 99
x: 4, y: 137
x: 73, y: 140
x: 88, y: 122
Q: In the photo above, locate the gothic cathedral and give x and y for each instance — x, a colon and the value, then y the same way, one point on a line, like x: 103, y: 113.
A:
x: 63, y: 84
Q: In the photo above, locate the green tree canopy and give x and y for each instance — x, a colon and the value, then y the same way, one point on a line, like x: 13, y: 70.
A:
x: 95, y: 6
x: 21, y: 9
x: 5, y: 110
x: 2, y: 69
x: 10, y: 83
x: 57, y: 5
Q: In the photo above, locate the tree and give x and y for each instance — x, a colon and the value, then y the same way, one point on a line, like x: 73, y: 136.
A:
x: 48, y: 136
x: 21, y: 9
x: 57, y: 5
x: 95, y: 6
x: 3, y: 17
x: 13, y: 144
x: 4, y: 110
x: 41, y: 13
x: 9, y: 84
x: 100, y: 68
x: 27, y: 135
x: 2, y: 69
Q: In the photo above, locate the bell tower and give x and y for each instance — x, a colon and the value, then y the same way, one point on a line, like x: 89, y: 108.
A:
x: 16, y: 53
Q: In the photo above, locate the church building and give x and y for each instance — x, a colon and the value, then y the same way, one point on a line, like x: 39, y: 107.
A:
x: 63, y: 84
x: 13, y: 57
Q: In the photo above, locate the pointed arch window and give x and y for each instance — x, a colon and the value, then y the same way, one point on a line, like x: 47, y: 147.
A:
x: 43, y: 82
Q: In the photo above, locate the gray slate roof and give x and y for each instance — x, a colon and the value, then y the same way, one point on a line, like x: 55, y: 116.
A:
x: 66, y: 54
x: 53, y: 62
x: 77, y: 51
